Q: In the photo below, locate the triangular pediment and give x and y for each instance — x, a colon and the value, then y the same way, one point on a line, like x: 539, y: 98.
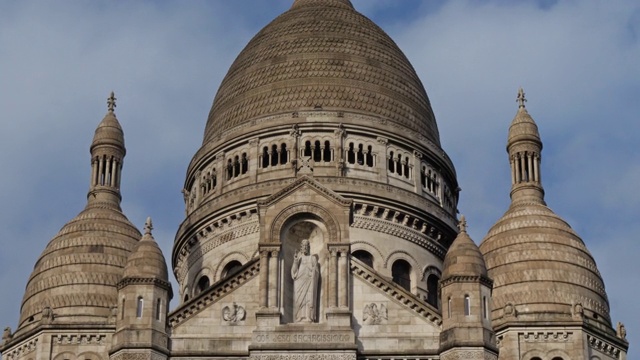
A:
x: 309, y: 184
x: 213, y: 294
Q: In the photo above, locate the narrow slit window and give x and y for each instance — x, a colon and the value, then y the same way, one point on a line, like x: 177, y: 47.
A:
x: 139, y: 307
x: 467, y: 305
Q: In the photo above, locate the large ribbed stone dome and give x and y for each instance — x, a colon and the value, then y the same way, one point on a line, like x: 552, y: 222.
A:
x: 322, y: 54
x: 77, y: 273
x: 541, y: 269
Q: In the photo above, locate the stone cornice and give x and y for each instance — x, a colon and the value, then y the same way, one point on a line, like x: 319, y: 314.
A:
x: 144, y: 281
x: 395, y: 292
x: 467, y: 279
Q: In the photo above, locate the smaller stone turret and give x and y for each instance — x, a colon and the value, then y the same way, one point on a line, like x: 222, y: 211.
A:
x: 466, y: 297
x: 524, y: 147
x: 143, y: 294
x: 107, y: 155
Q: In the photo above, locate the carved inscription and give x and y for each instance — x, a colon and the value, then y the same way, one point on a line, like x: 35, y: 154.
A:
x: 314, y: 356
x: 307, y: 338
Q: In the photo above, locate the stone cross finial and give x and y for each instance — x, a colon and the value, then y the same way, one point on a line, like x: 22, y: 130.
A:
x: 521, y: 99
x: 148, y: 226
x: 462, y: 224
x: 111, y: 102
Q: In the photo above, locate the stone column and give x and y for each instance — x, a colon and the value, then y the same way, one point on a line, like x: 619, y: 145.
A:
x: 112, y: 178
x: 295, y: 133
x: 381, y: 164
x: 343, y: 280
x: 518, y: 172
x: 536, y: 168
x: 253, y: 159
x: 273, y: 278
x: 220, y: 172
x: 100, y: 168
x: 94, y: 172
x: 264, y: 278
x: 530, y: 166
x: 513, y: 171
x: 417, y: 175
x: 340, y: 161
x: 333, y: 279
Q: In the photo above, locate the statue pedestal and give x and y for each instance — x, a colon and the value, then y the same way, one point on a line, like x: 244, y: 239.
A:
x: 267, y: 318
x: 339, y: 317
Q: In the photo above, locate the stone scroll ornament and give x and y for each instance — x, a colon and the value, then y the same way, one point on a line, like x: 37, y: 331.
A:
x: 305, y: 273
x: 234, y: 313
x: 374, y: 314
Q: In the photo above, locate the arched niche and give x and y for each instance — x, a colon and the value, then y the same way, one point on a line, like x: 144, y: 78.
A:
x: 293, y: 232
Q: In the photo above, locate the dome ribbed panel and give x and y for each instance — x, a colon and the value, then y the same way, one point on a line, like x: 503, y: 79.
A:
x: 541, y: 266
x: 322, y: 54
x: 77, y: 273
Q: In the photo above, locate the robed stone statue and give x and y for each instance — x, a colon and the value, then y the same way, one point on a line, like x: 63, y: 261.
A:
x: 305, y: 272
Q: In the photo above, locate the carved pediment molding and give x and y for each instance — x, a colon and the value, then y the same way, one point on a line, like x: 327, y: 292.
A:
x: 401, y: 296
x: 220, y: 289
x: 304, y: 180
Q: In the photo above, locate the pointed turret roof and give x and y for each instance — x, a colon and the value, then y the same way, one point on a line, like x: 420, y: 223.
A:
x: 147, y: 260
x: 464, y: 257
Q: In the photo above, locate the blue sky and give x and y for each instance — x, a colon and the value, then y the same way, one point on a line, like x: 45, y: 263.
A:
x: 578, y: 61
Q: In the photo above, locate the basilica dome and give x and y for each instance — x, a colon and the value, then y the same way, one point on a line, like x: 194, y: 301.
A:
x: 75, y: 279
x: 322, y: 55
x: 542, y: 270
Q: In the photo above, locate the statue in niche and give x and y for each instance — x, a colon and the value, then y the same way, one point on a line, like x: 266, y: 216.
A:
x: 305, y: 273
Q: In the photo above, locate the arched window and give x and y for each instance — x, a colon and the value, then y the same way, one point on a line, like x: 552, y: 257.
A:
x: 326, y: 152
x: 317, y: 152
x: 284, y: 155
x: 467, y: 305
x: 391, y: 163
x: 351, y: 154
x: 236, y: 166
x: 364, y: 256
x: 449, y: 308
x: 274, y: 155
x: 229, y: 169
x: 557, y: 358
x: 158, y: 308
x: 231, y: 268
x: 139, y: 307
x: 369, y: 156
x: 265, y: 157
x: 536, y: 358
x: 203, y: 284
x: 405, y: 165
x: 401, y: 273
x: 432, y: 290
x: 244, y: 164
x: 186, y: 297
x: 307, y: 149
x: 360, y: 155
